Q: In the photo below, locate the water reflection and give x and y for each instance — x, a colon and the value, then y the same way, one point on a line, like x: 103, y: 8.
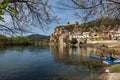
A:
x: 42, y: 63
x: 78, y: 59
x: 64, y: 54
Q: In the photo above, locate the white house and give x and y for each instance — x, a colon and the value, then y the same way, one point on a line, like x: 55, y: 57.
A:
x: 79, y: 36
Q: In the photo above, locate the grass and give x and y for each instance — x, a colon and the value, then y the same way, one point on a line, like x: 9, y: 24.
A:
x: 115, y: 68
x: 116, y: 47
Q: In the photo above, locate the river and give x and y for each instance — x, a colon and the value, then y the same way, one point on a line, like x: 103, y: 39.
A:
x: 47, y: 63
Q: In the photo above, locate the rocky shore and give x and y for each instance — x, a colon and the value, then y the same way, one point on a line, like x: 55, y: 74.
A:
x: 109, y: 76
x: 112, y: 72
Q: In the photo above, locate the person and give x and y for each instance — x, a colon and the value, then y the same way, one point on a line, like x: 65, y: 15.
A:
x: 101, y: 55
x: 111, y: 58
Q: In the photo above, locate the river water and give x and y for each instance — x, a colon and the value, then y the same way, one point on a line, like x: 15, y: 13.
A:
x: 47, y: 63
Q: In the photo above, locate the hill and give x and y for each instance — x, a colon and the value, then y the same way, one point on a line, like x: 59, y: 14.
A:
x: 101, y: 24
x: 37, y: 37
x: 98, y: 25
x: 104, y: 28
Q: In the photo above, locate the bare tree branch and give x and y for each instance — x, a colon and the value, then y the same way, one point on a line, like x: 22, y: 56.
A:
x: 115, y: 1
x: 86, y: 9
x: 26, y: 14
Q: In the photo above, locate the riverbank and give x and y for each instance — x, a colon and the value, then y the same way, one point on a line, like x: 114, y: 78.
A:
x: 111, y: 73
x: 109, y: 76
x: 113, y: 70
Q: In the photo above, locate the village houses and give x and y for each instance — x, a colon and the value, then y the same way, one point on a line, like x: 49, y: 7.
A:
x: 61, y: 34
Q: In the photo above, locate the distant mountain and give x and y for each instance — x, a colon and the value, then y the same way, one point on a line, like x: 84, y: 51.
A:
x: 37, y: 37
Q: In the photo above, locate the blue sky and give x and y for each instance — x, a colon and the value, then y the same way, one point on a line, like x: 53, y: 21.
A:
x: 64, y: 15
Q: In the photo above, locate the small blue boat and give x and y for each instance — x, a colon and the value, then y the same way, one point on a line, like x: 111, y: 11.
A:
x: 93, y: 56
x: 96, y: 57
x: 117, y: 61
x: 106, y: 59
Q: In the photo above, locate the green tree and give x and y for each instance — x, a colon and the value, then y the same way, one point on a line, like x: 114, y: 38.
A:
x: 3, y: 39
x: 74, y: 41
x: 19, y: 40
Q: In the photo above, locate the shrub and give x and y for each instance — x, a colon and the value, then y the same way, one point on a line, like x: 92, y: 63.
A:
x: 74, y: 41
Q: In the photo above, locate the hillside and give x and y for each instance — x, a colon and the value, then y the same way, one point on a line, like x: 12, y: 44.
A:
x: 101, y: 25
x: 37, y: 37
x: 104, y: 28
x: 98, y: 25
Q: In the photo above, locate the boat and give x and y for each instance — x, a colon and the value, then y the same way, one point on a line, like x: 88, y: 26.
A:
x: 106, y: 59
x: 97, y: 57
x: 117, y: 61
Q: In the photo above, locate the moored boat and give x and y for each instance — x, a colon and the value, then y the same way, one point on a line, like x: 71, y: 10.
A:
x: 117, y: 61
x: 97, y: 57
